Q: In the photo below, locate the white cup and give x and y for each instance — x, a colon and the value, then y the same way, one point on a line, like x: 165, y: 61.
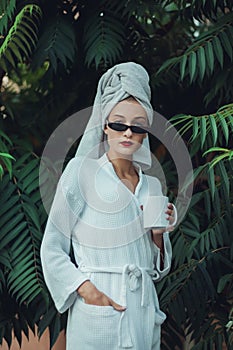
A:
x: 154, y: 212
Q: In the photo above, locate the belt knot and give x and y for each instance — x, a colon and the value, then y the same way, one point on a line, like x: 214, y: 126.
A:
x: 134, y: 273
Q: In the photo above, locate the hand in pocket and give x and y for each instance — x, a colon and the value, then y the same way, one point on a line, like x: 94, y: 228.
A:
x: 94, y: 296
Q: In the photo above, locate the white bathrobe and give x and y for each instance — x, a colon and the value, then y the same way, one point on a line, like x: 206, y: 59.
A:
x: 103, y: 220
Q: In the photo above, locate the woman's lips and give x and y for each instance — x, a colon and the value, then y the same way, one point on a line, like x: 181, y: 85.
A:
x: 126, y: 143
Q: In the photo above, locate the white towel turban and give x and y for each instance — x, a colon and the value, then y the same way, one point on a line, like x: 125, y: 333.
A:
x: 119, y: 82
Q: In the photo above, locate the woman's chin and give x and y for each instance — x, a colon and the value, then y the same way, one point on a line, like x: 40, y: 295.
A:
x: 127, y: 151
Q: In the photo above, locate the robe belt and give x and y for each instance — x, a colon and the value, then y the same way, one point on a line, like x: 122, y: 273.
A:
x: 131, y: 273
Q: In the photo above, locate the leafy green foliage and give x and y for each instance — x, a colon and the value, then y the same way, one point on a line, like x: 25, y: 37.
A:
x: 200, y: 9
x: 216, y: 127
x: 208, y: 50
x: 52, y: 63
x: 54, y: 321
x: 22, y: 36
x: 103, y: 38
x: 21, y: 216
x: 56, y: 44
x: 7, y: 9
x: 5, y: 157
x: 21, y: 231
x: 197, y: 294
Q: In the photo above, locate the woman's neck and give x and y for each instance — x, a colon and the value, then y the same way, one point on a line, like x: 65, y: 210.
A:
x: 122, y: 165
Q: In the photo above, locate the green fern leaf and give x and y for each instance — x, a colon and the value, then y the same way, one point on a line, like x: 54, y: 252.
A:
x: 23, y: 30
x: 201, y: 62
x: 15, y: 52
x: 21, y: 264
x: 224, y: 280
x: 22, y: 247
x: 192, y: 65
x: 167, y: 65
x: 46, y: 320
x: 213, y: 128
x: 183, y: 66
x: 224, y: 126
x: 21, y: 233
x: 213, y: 240
x: 5, y: 261
x: 226, y: 44
x: 31, y: 211
x: 11, y: 234
x: 17, y: 331
x: 218, y: 50
x: 8, y: 204
x: 5, y: 196
x: 211, y: 181
x: 11, y: 224
x: 210, y: 56
x: 55, y: 328
x: 7, y: 8
x: 195, y: 123
x: 9, y: 214
x: 203, y: 130
x: 9, y: 57
x: 224, y: 177
x: 25, y: 171
x: 57, y: 44
x: 103, y: 38
x: 26, y: 280
x: 26, y: 293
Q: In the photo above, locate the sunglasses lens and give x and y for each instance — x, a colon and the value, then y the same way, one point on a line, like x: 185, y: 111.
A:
x: 118, y: 126
x: 138, y: 130
x: 123, y: 127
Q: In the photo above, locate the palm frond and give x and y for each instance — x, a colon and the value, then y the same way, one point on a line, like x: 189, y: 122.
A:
x: 221, y: 87
x: 103, y: 39
x: 5, y: 157
x: 56, y: 44
x: 207, y: 52
x: 188, y: 295
x: 7, y: 8
x: 21, y: 38
x: 22, y: 286
x: 214, y: 126
x: 54, y: 321
x: 197, y: 293
x: 21, y: 232
x: 199, y: 9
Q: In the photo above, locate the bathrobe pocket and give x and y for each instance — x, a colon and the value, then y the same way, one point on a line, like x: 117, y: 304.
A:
x: 96, y: 309
x: 96, y: 326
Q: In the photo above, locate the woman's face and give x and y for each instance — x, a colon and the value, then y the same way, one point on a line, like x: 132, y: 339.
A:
x: 128, y: 112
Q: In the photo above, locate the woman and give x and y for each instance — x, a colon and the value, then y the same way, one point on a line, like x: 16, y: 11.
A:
x: 98, y: 208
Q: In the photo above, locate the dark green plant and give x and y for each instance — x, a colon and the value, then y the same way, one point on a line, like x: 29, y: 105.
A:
x: 5, y: 157
x: 52, y: 55
x: 197, y: 294
x: 21, y: 39
x: 22, y: 218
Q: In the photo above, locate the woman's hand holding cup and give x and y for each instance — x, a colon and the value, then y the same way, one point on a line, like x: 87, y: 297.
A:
x: 159, y: 215
x: 171, y: 220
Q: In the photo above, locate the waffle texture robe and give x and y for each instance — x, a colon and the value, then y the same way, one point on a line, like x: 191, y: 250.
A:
x: 123, y: 265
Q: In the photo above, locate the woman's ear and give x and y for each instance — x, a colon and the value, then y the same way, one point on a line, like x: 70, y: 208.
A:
x: 105, y: 129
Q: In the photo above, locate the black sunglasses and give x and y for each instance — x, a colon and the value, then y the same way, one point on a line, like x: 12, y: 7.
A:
x: 123, y: 127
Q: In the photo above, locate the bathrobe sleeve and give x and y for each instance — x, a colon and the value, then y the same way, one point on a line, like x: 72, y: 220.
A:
x: 62, y: 277
x: 167, y: 257
x: 155, y: 189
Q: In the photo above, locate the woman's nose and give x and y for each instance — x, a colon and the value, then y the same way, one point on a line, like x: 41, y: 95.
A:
x: 128, y: 132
